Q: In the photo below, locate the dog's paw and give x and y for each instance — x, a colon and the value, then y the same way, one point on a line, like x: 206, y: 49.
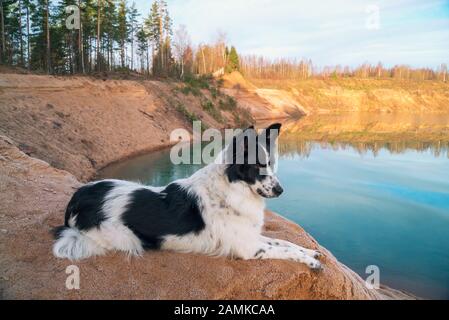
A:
x: 312, y: 253
x: 316, y: 254
x: 314, y: 265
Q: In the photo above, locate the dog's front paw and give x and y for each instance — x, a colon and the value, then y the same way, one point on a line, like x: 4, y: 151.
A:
x: 312, y: 253
x: 314, y: 264
x: 316, y: 254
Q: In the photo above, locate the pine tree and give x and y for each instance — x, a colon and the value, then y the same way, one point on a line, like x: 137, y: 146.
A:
x: 159, y: 29
x: 29, y: 6
x: 3, y: 38
x: 20, y: 31
x: 47, y: 35
x: 122, y: 30
x: 233, y: 61
x: 142, y: 48
x: 152, y: 29
x: 97, y: 48
x: 133, y: 14
x: 38, y: 59
x: 89, y: 26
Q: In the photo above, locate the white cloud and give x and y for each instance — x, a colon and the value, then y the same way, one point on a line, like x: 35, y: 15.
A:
x: 327, y: 31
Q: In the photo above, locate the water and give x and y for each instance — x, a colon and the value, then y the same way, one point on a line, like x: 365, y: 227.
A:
x: 372, y: 190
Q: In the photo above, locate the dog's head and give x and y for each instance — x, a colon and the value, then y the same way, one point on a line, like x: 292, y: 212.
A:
x: 251, y: 160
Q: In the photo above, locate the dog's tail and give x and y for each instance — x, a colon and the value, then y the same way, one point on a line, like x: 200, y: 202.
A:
x: 74, y: 245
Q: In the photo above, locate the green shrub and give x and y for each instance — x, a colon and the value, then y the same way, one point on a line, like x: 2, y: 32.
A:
x: 188, y: 115
x: 229, y: 104
x: 189, y: 89
x: 214, y: 92
x: 209, y: 107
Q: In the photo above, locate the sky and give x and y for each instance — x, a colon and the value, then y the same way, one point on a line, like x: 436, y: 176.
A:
x: 330, y: 32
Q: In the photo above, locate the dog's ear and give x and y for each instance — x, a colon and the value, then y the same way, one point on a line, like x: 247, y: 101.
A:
x: 270, y: 134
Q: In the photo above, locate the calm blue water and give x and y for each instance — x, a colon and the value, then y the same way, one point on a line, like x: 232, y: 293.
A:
x: 389, y: 210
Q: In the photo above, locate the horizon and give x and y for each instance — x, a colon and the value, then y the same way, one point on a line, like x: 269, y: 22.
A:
x: 408, y: 32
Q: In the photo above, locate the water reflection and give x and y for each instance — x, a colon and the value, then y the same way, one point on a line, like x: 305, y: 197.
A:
x: 388, y: 207
x: 367, y: 133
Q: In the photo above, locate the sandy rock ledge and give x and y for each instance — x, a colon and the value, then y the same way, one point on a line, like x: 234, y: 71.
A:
x: 33, y: 196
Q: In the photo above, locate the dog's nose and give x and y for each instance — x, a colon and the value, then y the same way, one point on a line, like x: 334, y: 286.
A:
x: 278, y: 190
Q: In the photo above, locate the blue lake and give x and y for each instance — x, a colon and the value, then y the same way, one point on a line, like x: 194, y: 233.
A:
x: 383, y: 203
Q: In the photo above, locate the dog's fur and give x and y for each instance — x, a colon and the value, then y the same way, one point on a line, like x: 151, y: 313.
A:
x: 217, y: 211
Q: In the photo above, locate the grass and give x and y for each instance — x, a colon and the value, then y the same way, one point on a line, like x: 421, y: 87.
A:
x: 209, y: 107
x: 228, y: 103
x: 187, y: 114
x: 195, y: 86
x: 242, y: 117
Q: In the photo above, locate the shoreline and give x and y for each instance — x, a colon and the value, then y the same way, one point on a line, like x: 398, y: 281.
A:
x: 29, y: 270
x: 130, y: 156
x: 384, y: 290
x: 52, y: 141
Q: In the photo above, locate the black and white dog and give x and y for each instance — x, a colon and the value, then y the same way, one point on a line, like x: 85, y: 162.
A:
x: 217, y: 211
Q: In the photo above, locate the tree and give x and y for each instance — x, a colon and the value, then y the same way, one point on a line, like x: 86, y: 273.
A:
x: 81, y: 42
x: 443, y: 72
x: 233, y: 61
x: 28, y: 6
x: 122, y: 30
x: 99, y: 6
x: 38, y: 40
x: 159, y: 30
x: 19, y: 19
x: 181, y: 43
x: 2, y: 17
x: 133, y: 14
x: 47, y: 29
x: 142, y: 48
x: 152, y: 23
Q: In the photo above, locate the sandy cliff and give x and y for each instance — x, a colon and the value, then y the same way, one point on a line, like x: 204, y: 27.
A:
x: 311, y: 96
x: 263, y: 103
x: 81, y: 124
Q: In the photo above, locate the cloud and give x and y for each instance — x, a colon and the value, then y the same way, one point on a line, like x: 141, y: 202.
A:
x: 328, y: 31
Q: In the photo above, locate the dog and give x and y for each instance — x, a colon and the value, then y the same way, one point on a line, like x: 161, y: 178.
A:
x: 217, y: 211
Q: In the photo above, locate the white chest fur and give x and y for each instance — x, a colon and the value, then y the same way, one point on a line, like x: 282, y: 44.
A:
x: 232, y: 213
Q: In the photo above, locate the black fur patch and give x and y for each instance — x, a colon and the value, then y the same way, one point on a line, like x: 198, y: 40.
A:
x: 259, y: 252
x: 86, y: 204
x: 247, y: 171
x: 250, y: 173
x: 151, y: 215
x: 57, y: 231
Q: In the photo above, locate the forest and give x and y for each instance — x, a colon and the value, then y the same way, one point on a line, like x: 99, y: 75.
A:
x: 91, y: 36
x: 75, y: 37
x: 259, y: 67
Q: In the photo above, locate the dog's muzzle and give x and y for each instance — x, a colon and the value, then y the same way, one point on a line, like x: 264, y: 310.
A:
x: 277, y: 190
